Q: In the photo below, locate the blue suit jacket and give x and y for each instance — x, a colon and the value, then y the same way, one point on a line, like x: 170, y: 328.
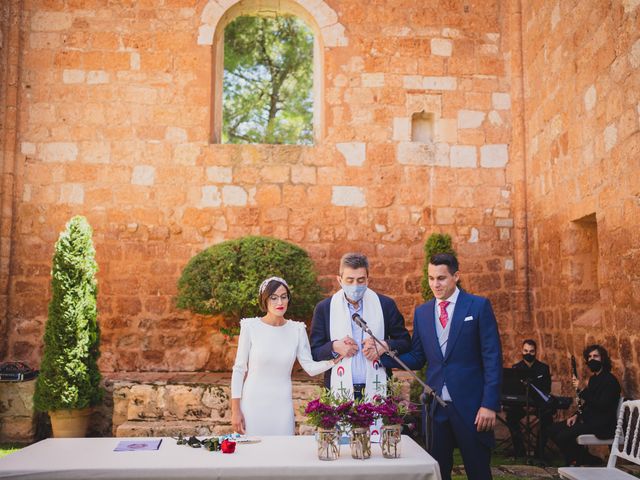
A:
x: 395, y: 333
x: 472, y: 363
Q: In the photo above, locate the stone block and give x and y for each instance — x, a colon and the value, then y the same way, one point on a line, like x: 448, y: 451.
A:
x: 143, y: 175
x: 470, y: 118
x: 304, y: 174
x: 58, y: 152
x: 463, y: 156
x: 210, y: 197
x: 441, y: 47
x: 186, y: 153
x: 72, y: 193
x: 445, y: 216
x: 184, y: 402
x: 416, y: 153
x: 439, y: 83
x: 73, y: 76
x: 402, y: 129
x: 97, y: 77
x: 17, y: 416
x: 446, y: 130
x: 95, y: 152
x: 205, y: 34
x: 354, y: 153
x: 501, y: 101
x: 28, y: 148
x: 51, y: 21
x: 343, y: 196
x: 413, y: 82
x: 372, y: 80
x: 590, y: 97
x: 219, y: 174
x: 175, y: 135
x: 494, y: 156
x: 610, y: 137
x: 233, y: 195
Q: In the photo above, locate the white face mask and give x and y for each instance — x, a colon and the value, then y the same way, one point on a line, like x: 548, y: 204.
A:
x: 354, y: 292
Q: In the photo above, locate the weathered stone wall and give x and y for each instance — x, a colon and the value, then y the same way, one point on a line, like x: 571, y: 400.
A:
x: 18, y: 420
x: 582, y: 91
x: 115, y: 120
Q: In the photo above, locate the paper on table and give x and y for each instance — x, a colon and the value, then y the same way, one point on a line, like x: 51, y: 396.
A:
x: 137, y: 445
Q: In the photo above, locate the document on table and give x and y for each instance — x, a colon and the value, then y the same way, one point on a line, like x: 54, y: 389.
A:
x: 137, y: 445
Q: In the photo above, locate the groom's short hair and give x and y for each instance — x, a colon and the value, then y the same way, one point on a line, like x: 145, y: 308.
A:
x: 355, y: 261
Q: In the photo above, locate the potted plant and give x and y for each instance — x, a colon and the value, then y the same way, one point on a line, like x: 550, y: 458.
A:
x: 224, y: 278
x: 69, y: 382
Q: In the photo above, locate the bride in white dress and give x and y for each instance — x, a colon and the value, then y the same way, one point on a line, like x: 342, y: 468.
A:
x: 261, y: 401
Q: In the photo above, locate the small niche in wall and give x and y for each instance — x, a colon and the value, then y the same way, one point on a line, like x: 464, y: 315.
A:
x: 422, y: 127
x: 584, y: 287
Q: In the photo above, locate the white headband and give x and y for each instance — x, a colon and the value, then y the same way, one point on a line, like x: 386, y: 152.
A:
x: 264, y: 284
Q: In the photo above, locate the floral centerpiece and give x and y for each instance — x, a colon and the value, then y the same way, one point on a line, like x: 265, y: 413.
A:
x: 392, y: 409
x: 324, y: 413
x: 360, y: 416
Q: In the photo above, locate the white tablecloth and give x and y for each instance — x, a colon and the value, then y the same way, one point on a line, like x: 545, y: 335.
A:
x: 272, y: 458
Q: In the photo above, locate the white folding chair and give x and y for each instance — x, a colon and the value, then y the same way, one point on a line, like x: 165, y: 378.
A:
x: 626, y: 445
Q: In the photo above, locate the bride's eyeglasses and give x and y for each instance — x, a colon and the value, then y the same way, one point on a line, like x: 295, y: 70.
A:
x: 284, y: 298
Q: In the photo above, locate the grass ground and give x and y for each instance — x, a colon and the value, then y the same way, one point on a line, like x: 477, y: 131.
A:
x: 7, y: 448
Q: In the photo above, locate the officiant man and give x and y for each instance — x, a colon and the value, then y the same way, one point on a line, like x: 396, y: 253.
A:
x: 334, y: 333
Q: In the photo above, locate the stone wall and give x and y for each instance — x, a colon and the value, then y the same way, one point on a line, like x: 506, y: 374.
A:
x: 115, y: 121
x: 582, y: 91
x: 18, y: 420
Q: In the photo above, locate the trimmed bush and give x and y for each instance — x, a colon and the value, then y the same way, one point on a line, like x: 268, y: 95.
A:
x: 436, y: 243
x: 224, y: 278
x: 69, y: 376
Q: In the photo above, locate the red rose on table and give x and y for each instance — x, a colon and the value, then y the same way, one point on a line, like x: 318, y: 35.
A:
x: 228, y: 447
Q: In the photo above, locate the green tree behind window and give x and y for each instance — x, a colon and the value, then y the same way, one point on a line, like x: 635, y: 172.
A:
x: 268, y: 78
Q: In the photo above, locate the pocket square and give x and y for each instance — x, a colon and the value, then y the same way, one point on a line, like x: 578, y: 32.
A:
x: 468, y: 319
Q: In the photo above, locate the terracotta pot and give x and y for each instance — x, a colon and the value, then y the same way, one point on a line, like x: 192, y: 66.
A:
x: 70, y: 423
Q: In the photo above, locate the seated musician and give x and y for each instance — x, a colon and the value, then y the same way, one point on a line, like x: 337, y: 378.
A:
x: 539, y: 378
x: 597, y: 413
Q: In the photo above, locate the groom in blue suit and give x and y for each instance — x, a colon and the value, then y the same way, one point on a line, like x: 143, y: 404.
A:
x: 457, y: 335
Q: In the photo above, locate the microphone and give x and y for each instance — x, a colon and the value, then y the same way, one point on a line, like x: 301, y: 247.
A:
x: 359, y: 321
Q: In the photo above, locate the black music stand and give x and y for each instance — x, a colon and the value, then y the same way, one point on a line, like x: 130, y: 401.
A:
x: 516, y: 389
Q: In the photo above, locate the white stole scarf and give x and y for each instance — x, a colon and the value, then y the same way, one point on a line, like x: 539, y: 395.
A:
x: 339, y: 327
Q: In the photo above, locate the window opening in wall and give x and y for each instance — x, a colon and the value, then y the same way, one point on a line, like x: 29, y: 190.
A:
x: 422, y: 127
x: 268, y: 81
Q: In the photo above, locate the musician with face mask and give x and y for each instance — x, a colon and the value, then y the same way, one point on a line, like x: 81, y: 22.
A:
x: 599, y: 409
x: 539, y: 377
x: 334, y: 333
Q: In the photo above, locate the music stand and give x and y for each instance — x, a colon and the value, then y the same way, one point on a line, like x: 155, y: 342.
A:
x: 516, y: 387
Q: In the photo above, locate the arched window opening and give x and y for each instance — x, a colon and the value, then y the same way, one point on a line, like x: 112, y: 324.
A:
x: 268, y: 80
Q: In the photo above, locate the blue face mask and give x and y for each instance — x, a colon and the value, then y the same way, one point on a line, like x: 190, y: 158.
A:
x: 354, y: 292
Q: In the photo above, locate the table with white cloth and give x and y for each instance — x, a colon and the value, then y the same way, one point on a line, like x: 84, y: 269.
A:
x: 272, y: 458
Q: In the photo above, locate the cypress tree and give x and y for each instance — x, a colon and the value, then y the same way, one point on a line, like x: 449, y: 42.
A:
x: 69, y: 376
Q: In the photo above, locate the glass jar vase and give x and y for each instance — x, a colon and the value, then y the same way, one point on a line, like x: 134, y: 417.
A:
x: 390, y: 436
x: 360, y: 443
x: 328, y: 441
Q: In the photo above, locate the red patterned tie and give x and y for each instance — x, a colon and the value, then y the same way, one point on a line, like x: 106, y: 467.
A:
x: 444, y: 318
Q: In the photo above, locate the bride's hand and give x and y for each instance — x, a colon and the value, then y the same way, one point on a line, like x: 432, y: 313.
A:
x: 237, y: 421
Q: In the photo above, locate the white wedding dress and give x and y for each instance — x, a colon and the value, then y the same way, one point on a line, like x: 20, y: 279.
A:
x: 266, y: 354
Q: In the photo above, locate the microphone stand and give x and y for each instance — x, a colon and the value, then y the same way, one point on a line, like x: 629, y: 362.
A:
x: 428, y: 394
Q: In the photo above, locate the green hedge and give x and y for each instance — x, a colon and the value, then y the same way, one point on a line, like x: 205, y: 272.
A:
x: 224, y: 278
